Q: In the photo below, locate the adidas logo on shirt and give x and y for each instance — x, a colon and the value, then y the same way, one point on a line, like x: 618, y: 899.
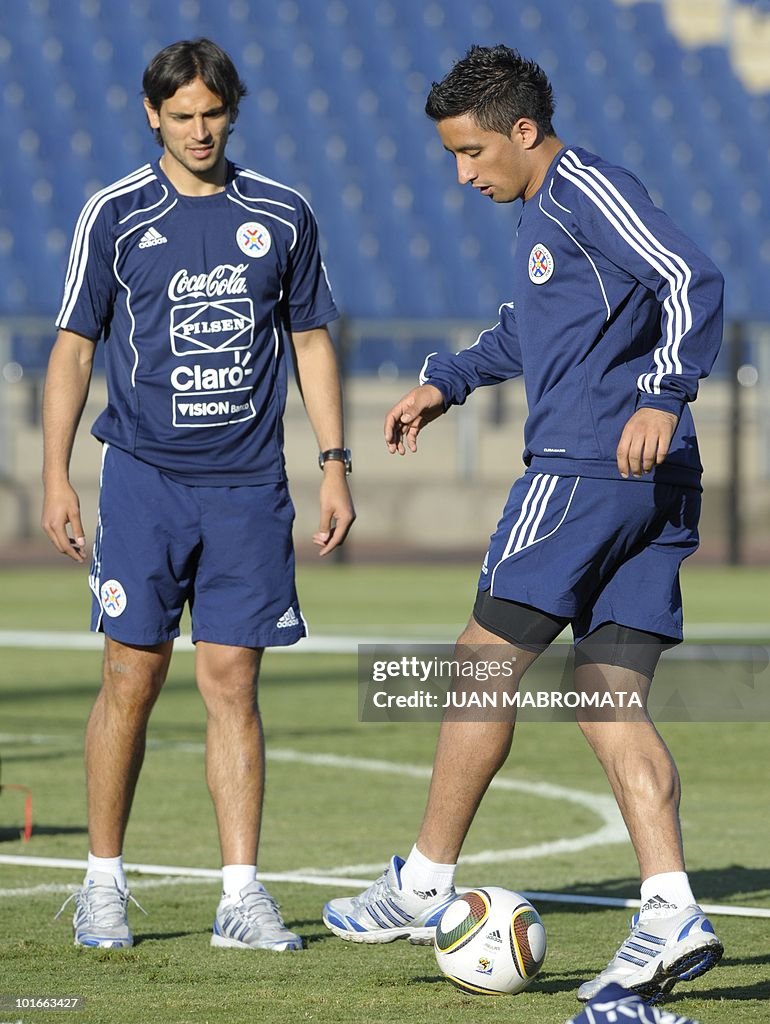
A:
x: 287, y: 619
x: 152, y: 237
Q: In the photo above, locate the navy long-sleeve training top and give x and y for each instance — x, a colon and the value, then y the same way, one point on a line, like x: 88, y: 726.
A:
x: 614, y: 309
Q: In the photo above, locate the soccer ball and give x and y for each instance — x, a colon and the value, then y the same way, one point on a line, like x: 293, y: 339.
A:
x: 490, y: 941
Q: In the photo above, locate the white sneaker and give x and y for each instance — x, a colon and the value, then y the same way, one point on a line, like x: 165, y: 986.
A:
x: 252, y: 921
x: 385, y: 911
x: 101, y: 913
x: 658, y: 953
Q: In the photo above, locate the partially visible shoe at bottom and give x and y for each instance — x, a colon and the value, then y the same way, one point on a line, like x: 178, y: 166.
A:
x: 101, y: 913
x: 252, y: 921
x: 386, y: 911
x: 614, y: 1004
x: 658, y: 953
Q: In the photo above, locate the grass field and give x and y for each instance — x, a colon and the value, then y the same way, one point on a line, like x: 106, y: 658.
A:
x: 331, y: 809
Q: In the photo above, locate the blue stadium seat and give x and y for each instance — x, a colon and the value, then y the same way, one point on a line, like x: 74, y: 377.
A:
x: 336, y: 109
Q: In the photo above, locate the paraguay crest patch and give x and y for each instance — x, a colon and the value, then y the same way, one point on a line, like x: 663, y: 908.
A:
x: 253, y: 239
x: 113, y: 598
x: 540, y: 264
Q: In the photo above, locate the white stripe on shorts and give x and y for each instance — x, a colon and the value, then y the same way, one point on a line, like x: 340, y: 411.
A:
x: 532, y: 511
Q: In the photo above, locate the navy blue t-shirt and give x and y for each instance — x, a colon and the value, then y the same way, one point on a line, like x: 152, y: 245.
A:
x: 192, y: 296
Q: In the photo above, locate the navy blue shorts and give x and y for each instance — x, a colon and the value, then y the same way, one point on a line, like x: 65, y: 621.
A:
x: 594, y: 551
x: 227, y: 551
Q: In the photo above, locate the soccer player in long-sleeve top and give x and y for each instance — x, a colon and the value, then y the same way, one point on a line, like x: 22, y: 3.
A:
x: 615, y: 315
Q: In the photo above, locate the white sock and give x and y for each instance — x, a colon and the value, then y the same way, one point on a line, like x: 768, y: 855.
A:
x: 108, y: 866
x: 665, y: 894
x: 422, y: 875
x: 236, y: 877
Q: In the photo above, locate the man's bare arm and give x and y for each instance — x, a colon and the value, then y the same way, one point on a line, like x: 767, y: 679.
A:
x: 66, y: 389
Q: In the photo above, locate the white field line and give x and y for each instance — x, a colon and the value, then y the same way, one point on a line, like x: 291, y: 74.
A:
x: 172, y: 872
x: 348, y: 643
x: 68, y: 887
x: 67, y: 641
x: 612, y: 830
x: 208, y: 876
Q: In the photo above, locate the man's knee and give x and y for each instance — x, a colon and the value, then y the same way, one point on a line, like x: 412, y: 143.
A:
x: 226, y: 674
x: 134, y: 675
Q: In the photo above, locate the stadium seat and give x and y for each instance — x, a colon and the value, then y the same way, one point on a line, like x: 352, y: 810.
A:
x: 336, y: 109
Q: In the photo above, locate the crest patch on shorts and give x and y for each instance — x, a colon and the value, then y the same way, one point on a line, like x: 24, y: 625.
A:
x: 113, y: 598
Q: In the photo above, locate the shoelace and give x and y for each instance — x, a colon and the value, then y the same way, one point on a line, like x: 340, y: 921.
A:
x: 256, y: 906
x: 96, y: 902
x: 376, y: 891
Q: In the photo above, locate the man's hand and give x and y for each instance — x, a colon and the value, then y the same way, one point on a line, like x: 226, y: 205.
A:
x: 644, y: 441
x: 406, y: 419
x: 337, y: 512
x: 61, y: 508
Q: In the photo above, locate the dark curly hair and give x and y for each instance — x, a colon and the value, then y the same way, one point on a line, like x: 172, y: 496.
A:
x: 496, y: 86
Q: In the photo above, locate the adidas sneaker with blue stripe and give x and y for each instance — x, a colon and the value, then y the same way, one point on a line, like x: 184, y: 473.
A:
x: 659, y: 952
x: 386, y: 911
x: 252, y: 920
x: 101, y: 913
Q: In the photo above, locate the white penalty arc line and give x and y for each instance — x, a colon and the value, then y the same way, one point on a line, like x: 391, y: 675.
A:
x: 173, y: 875
x: 611, y: 831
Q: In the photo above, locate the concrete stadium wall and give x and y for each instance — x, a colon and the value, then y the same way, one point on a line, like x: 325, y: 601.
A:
x: 442, y: 503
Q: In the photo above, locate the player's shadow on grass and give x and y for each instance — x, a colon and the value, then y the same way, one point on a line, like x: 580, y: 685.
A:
x: 554, y: 984
x: 550, y: 984
x: 563, y: 981
x: 318, y: 936
x: 10, y: 834
x: 709, y: 886
x: 759, y: 991
x: 429, y: 979
x: 162, y: 936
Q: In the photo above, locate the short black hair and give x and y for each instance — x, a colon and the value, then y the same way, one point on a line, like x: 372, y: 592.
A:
x: 181, y: 63
x: 496, y: 86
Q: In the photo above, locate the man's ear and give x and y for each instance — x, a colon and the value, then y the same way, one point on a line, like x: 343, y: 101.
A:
x: 527, y: 132
x: 152, y: 115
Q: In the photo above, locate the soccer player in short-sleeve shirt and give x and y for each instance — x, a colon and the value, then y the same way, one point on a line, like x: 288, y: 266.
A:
x: 194, y: 274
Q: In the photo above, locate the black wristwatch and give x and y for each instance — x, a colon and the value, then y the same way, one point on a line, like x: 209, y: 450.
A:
x: 336, y: 455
